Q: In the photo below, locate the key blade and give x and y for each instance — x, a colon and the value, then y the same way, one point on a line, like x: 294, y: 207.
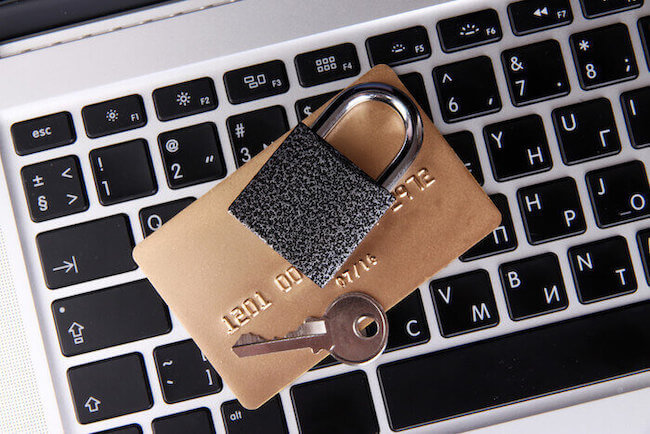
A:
x: 316, y: 343
x: 310, y: 334
x: 249, y: 338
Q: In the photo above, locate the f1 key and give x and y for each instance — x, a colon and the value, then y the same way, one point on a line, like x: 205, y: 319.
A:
x: 339, y: 331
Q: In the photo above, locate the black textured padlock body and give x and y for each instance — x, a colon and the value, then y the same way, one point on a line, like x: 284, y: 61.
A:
x: 311, y: 204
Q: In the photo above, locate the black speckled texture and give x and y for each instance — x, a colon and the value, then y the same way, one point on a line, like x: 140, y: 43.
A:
x: 311, y: 204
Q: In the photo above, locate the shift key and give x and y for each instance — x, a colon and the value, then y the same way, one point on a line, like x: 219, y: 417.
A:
x: 86, y: 251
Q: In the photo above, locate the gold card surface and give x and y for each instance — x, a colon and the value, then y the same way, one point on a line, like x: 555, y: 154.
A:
x: 221, y: 280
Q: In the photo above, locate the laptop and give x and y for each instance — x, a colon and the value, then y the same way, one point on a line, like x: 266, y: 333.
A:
x: 116, y: 115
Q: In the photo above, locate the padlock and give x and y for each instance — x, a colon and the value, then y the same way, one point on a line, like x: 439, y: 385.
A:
x: 310, y: 203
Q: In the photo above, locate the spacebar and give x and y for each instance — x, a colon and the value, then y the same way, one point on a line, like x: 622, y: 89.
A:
x: 518, y: 366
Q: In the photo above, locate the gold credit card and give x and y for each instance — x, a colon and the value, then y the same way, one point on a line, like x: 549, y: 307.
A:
x: 222, y: 281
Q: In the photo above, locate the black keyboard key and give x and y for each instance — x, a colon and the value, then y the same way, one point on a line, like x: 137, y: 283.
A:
x: 603, y: 56
x: 636, y: 108
x: 86, y: 251
x: 197, y: 421
x: 54, y: 188
x: 108, y: 317
x: 114, y: 116
x: 644, y: 31
x: 43, y: 133
x: 109, y: 388
x: 551, y: 210
x: 184, y: 372
x: 586, y: 131
x: 535, y: 72
x: 602, y: 269
x: 466, y: 89
x: 464, y: 146
x: 192, y: 155
x: 517, y: 147
x: 469, y: 30
x: 306, y: 106
x: 268, y: 419
x: 517, y: 366
x: 123, y: 172
x: 129, y: 429
x: 327, y: 64
x: 252, y: 132
x: 464, y: 303
x: 185, y: 99
x: 502, y: 239
x: 619, y: 194
x: 529, y: 16
x: 256, y: 81
x: 153, y: 217
x: 399, y: 47
x: 415, y: 84
x: 533, y: 286
x: 407, y: 323
x: 643, y: 239
x: 335, y: 404
x: 597, y: 8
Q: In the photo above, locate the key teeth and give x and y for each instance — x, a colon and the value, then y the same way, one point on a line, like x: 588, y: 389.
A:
x: 249, y: 338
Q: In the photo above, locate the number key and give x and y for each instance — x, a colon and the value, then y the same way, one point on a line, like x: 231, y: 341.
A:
x: 306, y: 106
x: 466, y: 89
x: 184, y: 372
x: 252, y: 132
x: 123, y: 172
x: 535, y: 72
x: 603, y: 56
x: 597, y: 8
x: 192, y: 155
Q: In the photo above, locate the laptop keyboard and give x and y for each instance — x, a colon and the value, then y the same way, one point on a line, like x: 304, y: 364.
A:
x: 557, y: 136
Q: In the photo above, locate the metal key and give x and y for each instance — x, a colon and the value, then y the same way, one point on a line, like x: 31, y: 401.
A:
x: 339, y: 331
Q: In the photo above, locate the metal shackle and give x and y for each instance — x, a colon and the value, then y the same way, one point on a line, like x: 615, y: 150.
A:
x: 398, y: 101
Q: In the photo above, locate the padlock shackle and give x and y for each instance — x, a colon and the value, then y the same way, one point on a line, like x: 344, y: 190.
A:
x: 394, y: 98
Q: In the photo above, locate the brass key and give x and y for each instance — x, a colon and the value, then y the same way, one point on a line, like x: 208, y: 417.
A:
x: 340, y: 332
